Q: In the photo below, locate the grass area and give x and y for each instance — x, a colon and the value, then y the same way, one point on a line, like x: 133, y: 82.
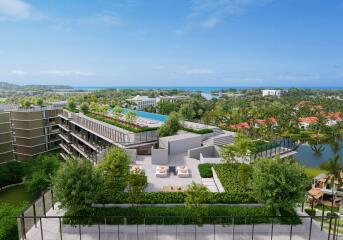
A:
x: 200, y: 131
x: 312, y: 172
x: 15, y: 195
x: 178, y: 215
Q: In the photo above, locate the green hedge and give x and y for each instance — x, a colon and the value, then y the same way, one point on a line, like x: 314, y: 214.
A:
x: 310, y: 212
x: 205, y: 170
x: 8, y: 223
x: 178, y: 197
x: 120, y: 125
x: 11, y: 173
x: 200, y: 131
x: 176, y: 215
x: 228, y: 175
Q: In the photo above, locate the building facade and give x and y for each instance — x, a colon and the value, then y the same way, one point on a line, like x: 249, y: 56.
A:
x: 28, y: 132
x: 140, y: 102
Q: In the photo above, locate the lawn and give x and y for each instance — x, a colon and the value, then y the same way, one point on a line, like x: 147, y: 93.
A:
x: 312, y: 172
x: 15, y: 195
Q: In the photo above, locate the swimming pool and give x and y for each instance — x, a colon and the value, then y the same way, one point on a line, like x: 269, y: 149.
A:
x: 153, y: 116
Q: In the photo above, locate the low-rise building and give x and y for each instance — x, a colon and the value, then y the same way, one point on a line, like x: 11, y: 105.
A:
x: 271, y: 92
x: 306, y: 122
x: 170, y: 98
x: 140, y: 102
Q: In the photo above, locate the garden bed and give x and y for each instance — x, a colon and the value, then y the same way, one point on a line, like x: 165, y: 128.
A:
x: 127, y: 126
x: 200, y: 131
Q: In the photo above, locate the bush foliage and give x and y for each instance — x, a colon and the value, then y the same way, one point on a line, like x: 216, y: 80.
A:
x: 205, y: 170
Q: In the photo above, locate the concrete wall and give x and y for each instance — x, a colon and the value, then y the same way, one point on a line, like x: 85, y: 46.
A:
x: 217, y: 181
x: 182, y: 145
x: 206, y: 151
x: 210, y: 160
x: 132, y: 153
x: 159, y: 156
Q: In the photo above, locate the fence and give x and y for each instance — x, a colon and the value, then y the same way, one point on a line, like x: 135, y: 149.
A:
x: 283, y: 146
x: 37, y: 222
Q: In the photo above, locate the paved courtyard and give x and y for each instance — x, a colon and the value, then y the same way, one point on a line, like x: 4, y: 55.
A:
x: 156, y: 183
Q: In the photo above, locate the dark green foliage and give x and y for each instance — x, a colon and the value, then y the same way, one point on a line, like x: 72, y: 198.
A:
x: 11, y: 173
x: 170, y: 126
x: 310, y: 212
x: 178, y: 197
x: 39, y: 173
x: 8, y: 223
x: 76, y: 184
x: 136, y: 184
x: 174, y: 215
x: 205, y: 170
x: 84, y: 108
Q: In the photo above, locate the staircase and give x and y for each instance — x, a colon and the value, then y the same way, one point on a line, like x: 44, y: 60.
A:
x: 219, y: 140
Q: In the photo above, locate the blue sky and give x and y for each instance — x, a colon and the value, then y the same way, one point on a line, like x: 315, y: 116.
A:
x: 172, y: 42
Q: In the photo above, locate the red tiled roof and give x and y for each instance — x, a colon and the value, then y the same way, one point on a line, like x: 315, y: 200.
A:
x: 316, y: 193
x: 308, y: 119
x: 333, y: 116
x: 271, y: 120
x: 242, y: 125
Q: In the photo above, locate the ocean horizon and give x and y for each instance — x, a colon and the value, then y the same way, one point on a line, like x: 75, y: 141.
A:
x: 194, y: 89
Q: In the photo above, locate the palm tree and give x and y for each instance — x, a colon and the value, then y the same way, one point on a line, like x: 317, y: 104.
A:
x: 335, y: 168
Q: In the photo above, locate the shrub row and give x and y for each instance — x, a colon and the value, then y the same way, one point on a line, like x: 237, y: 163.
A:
x: 177, y: 197
x: 200, y: 131
x: 8, y: 223
x: 120, y: 125
x: 176, y: 215
x: 205, y: 170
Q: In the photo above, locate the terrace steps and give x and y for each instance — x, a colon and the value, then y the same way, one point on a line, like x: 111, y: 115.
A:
x: 219, y: 140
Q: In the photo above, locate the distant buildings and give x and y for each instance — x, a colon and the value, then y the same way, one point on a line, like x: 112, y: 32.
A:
x: 271, y: 92
x: 140, y: 102
x: 305, y: 122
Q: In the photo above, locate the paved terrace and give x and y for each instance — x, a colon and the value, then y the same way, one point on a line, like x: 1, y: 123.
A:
x: 51, y: 231
x: 156, y: 183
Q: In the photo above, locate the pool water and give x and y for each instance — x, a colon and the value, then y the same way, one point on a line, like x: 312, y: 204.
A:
x: 153, y: 116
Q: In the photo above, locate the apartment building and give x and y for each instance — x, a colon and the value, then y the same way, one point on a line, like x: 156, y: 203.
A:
x: 6, y: 138
x: 28, y: 131
x: 88, y: 138
x: 271, y: 92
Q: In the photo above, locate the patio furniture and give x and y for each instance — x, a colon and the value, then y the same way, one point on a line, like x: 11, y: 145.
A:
x: 136, y: 168
x: 173, y: 189
x: 162, y: 172
x: 183, y: 172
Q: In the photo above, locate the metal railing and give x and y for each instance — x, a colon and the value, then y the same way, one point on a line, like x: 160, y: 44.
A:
x: 110, y: 132
x: 40, y: 221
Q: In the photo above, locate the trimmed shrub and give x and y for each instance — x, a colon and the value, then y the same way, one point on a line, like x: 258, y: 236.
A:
x: 310, y: 212
x: 205, y: 170
x: 8, y: 223
x: 11, y: 173
x: 201, y: 131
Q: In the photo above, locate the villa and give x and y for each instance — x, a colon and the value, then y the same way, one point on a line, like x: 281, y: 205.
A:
x: 332, y: 118
x: 305, y: 122
x: 141, y: 102
x: 322, y: 189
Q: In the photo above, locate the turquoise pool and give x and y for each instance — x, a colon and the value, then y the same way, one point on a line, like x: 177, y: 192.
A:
x: 153, y: 116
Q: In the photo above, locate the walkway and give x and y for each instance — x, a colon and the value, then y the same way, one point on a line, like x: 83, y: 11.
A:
x: 210, y: 184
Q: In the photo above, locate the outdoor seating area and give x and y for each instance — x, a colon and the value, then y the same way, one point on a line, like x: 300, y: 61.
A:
x: 180, y: 171
x: 174, y: 189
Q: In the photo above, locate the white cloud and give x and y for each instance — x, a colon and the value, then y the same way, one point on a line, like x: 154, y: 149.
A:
x: 211, y: 22
x: 18, y: 72
x: 213, y: 11
x: 65, y: 73
x: 198, y: 71
x: 104, y: 19
x: 60, y: 73
x: 15, y: 9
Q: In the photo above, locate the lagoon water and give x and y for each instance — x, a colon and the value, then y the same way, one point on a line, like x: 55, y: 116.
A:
x: 307, y: 157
